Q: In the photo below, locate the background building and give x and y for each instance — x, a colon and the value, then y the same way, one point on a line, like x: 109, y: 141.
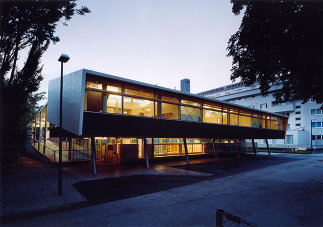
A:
x: 298, y: 134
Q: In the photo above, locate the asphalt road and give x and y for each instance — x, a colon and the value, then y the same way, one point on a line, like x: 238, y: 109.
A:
x: 285, y: 190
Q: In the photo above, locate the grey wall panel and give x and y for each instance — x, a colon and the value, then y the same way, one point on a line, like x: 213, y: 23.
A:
x: 73, y: 101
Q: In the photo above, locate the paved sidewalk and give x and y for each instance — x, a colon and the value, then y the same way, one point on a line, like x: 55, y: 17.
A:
x: 289, y: 194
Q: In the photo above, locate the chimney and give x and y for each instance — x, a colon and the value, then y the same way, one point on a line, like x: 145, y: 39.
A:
x: 185, y: 85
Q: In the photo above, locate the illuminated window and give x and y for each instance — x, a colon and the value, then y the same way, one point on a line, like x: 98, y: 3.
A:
x: 190, y: 114
x: 233, y: 119
x: 245, y: 121
x: 211, y: 116
x: 212, y: 106
x: 170, y: 99
x: 138, y: 107
x: 225, y: 118
x: 139, y: 92
x: 169, y: 111
x: 94, y: 85
x: 114, y: 104
x: 187, y: 102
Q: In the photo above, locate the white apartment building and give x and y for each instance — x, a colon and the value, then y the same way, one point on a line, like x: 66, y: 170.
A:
x: 301, y: 116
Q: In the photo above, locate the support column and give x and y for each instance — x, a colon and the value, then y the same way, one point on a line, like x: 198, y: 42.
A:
x: 186, y: 151
x: 215, y: 154
x: 254, y: 146
x: 152, y: 147
x: 45, y: 136
x: 237, y: 148
x: 69, y: 148
x: 39, y: 132
x: 146, y: 152
x: 93, y: 155
x: 267, y: 147
x: 104, y: 99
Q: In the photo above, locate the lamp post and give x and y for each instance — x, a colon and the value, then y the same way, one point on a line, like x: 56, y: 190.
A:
x: 63, y: 59
x: 312, y: 135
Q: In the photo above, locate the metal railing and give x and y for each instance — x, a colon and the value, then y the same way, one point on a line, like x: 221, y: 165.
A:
x: 224, y: 219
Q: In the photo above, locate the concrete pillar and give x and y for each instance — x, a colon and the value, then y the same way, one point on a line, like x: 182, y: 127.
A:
x: 104, y: 99
x: 146, y: 152
x: 186, y: 151
x: 152, y: 147
x: 267, y: 147
x: 44, y: 150
x: 39, y: 132
x: 237, y: 148
x: 215, y: 154
x: 254, y: 147
x: 69, y: 148
x: 93, y: 155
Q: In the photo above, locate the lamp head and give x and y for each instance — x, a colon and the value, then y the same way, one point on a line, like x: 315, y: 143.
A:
x: 64, y: 58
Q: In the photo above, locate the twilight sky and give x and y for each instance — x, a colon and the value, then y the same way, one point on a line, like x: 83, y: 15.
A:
x: 153, y: 41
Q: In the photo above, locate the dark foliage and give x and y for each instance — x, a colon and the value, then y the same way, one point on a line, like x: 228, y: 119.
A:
x: 280, y: 42
x: 29, y: 27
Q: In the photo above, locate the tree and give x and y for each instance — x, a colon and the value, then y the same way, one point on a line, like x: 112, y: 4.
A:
x: 28, y: 27
x: 280, y: 42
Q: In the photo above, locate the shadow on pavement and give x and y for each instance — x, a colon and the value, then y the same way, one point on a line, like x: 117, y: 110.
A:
x: 111, y: 189
x: 232, y: 167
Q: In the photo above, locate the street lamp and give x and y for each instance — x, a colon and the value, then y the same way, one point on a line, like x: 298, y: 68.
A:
x: 63, y: 59
x: 312, y: 135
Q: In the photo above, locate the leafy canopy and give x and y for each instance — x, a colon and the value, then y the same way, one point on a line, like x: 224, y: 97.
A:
x: 280, y: 42
x: 27, y: 28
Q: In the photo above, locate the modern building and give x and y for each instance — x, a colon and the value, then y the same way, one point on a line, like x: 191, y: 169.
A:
x: 304, y: 119
x: 117, y: 119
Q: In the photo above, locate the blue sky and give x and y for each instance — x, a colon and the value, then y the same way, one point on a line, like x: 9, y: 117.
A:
x: 153, y: 41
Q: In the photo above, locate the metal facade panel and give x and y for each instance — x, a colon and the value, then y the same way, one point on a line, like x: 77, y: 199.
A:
x: 114, y: 125
x: 73, y: 101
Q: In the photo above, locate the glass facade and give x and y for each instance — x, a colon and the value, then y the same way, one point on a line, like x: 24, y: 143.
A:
x: 142, y: 101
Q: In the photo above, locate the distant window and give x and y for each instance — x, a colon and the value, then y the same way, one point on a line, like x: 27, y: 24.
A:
x: 318, y: 111
x: 298, y: 112
x: 312, y: 111
x: 313, y: 137
x: 252, y: 106
x: 318, y: 137
x: 263, y: 106
x: 297, y: 118
x: 288, y: 126
x: 297, y: 107
x: 298, y: 124
x: 252, y: 97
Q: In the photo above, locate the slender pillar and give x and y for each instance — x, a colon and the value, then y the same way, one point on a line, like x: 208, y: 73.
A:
x: 69, y: 148
x: 104, y: 99
x: 39, y: 131
x: 60, y: 134
x: 267, y: 147
x: 254, y: 146
x: 45, y: 136
x: 215, y: 154
x: 93, y: 155
x: 237, y: 148
x: 186, y: 151
x: 152, y: 147
x: 146, y: 152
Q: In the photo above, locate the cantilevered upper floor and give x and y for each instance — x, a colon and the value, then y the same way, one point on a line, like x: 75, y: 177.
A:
x: 98, y: 104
